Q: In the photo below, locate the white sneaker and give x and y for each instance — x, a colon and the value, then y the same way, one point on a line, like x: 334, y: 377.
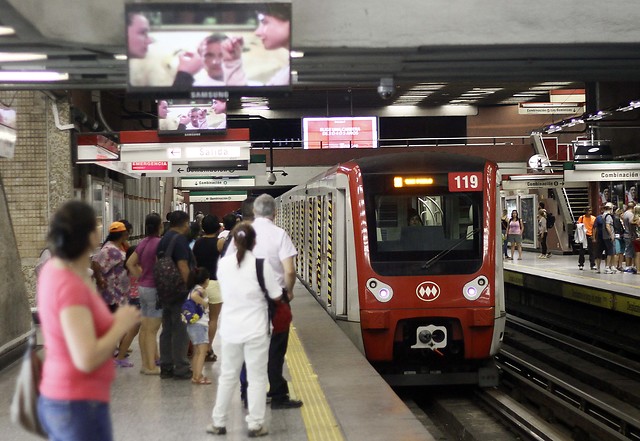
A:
x: 608, y: 271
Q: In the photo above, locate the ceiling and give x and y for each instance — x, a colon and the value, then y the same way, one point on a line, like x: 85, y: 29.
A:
x: 425, y: 77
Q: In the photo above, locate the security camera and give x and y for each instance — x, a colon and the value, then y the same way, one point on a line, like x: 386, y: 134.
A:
x: 271, y: 178
x: 386, y: 88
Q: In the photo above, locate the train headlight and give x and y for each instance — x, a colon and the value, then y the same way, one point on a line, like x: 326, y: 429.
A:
x: 381, y: 291
x: 474, y: 289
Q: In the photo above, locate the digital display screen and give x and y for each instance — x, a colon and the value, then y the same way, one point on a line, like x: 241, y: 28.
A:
x: 192, y: 117
x: 191, y: 47
x: 340, y: 133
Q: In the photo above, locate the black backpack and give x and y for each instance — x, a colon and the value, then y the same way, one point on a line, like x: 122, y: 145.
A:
x: 270, y: 302
x: 170, y: 285
x: 551, y: 220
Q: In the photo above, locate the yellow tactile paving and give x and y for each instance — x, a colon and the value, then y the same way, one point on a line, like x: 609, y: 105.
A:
x: 318, y: 418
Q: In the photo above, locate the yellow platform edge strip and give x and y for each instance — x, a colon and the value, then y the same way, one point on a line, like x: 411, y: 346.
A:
x: 318, y: 418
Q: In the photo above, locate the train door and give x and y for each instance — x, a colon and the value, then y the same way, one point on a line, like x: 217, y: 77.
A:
x: 336, y: 257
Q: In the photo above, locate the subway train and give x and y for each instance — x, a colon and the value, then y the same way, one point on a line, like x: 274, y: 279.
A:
x: 403, y: 251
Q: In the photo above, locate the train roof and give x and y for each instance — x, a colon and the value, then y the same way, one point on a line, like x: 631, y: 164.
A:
x: 420, y: 162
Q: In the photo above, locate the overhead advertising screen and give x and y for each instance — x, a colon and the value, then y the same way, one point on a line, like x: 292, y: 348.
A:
x: 340, y: 133
x: 197, y: 47
x: 192, y: 117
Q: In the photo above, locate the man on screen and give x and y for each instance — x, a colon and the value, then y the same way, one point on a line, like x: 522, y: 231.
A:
x: 274, y: 30
x: 211, y: 52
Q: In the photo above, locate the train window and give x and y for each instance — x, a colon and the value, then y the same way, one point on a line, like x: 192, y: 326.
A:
x: 425, y: 233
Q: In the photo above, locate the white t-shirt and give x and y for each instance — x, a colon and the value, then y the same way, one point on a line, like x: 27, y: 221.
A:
x: 244, y: 314
x: 272, y: 244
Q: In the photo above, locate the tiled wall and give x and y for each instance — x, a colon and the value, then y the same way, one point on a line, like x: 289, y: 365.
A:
x: 39, y: 178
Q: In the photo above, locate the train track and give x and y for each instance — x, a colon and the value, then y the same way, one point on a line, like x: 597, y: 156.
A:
x: 553, y: 388
x: 594, y: 393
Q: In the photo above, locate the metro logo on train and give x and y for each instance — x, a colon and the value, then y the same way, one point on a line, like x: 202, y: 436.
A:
x: 428, y: 291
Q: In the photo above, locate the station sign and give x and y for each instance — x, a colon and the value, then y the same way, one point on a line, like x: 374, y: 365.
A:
x: 150, y: 166
x: 550, y: 108
x: 533, y: 184
x: 213, y: 182
x: 604, y: 174
x: 185, y: 152
x: 184, y: 170
x: 219, y: 196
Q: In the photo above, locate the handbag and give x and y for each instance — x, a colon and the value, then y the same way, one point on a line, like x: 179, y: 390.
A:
x: 24, y: 405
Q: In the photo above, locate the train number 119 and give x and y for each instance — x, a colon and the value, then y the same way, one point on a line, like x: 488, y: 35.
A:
x: 465, y: 181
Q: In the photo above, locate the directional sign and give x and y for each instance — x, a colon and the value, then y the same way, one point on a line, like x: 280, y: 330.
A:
x: 182, y: 170
x: 186, y: 151
x: 220, y: 196
x: 241, y: 181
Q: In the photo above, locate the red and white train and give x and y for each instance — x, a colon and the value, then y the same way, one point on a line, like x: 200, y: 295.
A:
x: 403, y: 251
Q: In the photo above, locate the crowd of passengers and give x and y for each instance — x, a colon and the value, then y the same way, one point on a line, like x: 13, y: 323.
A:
x: 93, y: 299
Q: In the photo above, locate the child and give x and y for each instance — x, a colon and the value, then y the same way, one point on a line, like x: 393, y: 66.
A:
x: 132, y: 298
x: 199, y: 330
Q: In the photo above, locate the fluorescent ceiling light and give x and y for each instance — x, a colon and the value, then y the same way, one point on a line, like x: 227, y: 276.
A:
x: 8, y: 57
x: 296, y: 54
x: 31, y: 76
x: 121, y: 57
x: 7, y: 30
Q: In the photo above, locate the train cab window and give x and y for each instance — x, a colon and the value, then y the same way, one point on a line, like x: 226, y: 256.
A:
x: 425, y: 232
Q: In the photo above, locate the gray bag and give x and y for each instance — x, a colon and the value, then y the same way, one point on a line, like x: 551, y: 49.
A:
x: 24, y: 405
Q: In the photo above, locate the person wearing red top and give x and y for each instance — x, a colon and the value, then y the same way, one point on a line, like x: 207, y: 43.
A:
x: 79, y: 332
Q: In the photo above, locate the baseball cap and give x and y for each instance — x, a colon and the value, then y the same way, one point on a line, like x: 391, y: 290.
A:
x: 117, y: 227
x: 608, y: 205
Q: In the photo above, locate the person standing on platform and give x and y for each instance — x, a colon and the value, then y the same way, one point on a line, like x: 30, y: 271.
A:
x: 627, y: 219
x: 174, y: 340
x: 140, y: 264
x: 587, y: 219
x: 206, y: 252
x: 79, y: 332
x: 274, y: 245
x: 504, y: 226
x: 244, y: 328
x: 542, y: 232
x: 605, y: 238
x: 514, y: 234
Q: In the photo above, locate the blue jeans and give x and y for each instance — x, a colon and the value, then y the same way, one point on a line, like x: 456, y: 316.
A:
x: 75, y: 420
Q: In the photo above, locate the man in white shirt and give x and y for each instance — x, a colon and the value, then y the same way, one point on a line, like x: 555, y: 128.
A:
x: 275, y: 245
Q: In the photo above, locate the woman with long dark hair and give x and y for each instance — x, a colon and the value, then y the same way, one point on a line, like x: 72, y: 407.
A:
x: 79, y: 332
x: 514, y: 234
x: 140, y: 265
x: 245, y: 331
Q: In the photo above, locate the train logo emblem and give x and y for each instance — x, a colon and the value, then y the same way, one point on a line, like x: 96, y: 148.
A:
x: 428, y: 291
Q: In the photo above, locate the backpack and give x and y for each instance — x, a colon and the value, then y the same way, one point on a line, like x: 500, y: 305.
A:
x: 170, y: 285
x: 279, y: 310
x: 271, y: 304
x: 618, y: 229
x: 551, y: 220
x: 191, y: 311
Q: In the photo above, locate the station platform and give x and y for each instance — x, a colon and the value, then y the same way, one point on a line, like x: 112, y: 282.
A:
x: 559, y: 275
x: 344, y: 397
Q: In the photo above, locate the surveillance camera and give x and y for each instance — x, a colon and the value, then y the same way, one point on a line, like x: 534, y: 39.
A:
x: 386, y: 88
x: 271, y: 178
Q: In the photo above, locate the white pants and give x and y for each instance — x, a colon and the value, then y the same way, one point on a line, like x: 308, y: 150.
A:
x: 255, y: 353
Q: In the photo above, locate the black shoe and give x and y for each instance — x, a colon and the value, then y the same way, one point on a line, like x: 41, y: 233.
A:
x: 581, y: 267
x: 286, y: 404
x: 185, y: 376
x: 164, y: 374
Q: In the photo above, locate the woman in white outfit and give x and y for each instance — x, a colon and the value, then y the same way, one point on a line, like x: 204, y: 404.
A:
x: 244, y: 330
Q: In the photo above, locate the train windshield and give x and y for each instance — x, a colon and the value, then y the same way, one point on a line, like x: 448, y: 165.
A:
x: 425, y: 231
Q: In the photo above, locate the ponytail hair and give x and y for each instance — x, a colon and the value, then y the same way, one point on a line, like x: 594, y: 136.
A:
x: 244, y: 237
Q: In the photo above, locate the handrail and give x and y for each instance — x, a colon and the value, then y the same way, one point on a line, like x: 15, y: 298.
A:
x: 476, y: 141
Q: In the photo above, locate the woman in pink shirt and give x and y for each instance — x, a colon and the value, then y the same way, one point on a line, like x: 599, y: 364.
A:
x: 514, y: 234
x: 79, y: 332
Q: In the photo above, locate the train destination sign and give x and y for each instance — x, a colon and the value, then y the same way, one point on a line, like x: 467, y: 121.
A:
x: 213, y: 182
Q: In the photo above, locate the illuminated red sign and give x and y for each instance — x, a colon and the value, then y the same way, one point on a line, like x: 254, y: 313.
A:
x: 146, y: 166
x: 340, y: 133
x: 465, y: 181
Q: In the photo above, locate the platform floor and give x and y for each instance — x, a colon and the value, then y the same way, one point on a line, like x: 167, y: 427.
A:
x: 344, y: 397
x: 565, y: 268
